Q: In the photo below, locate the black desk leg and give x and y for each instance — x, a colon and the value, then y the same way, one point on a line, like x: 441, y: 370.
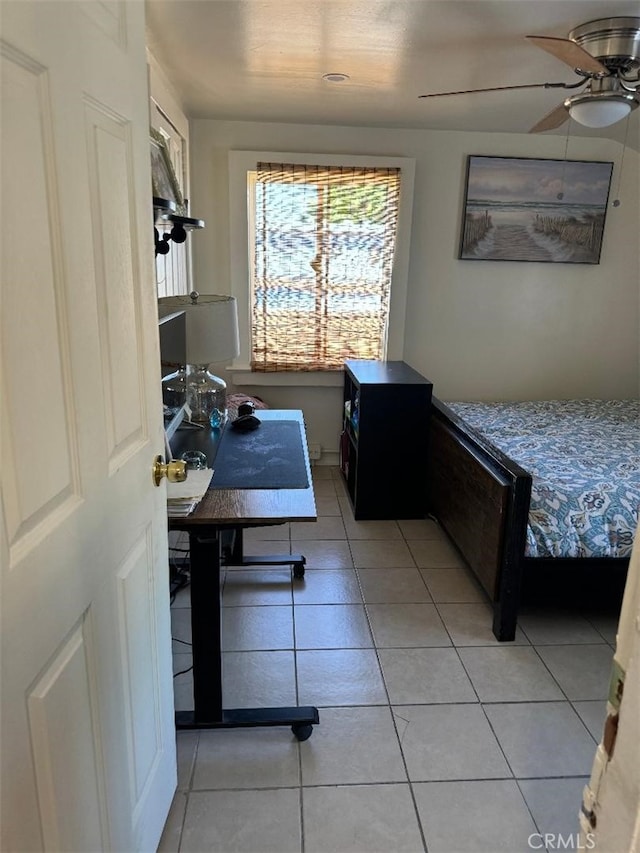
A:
x: 206, y: 628
x: 206, y: 609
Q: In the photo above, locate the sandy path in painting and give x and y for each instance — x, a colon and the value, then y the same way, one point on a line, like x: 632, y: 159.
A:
x: 512, y: 242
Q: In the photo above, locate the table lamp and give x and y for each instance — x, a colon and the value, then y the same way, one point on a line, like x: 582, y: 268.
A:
x: 211, y: 337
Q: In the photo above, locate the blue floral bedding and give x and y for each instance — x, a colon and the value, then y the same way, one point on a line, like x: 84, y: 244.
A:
x: 584, y: 458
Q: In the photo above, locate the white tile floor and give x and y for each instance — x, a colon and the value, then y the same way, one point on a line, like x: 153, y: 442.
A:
x: 432, y: 735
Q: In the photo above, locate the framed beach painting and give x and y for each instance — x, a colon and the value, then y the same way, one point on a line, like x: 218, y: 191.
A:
x: 525, y: 209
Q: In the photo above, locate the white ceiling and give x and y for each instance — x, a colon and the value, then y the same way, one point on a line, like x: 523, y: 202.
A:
x: 263, y: 60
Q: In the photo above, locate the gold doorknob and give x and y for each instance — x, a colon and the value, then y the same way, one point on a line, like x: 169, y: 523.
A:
x: 175, y: 470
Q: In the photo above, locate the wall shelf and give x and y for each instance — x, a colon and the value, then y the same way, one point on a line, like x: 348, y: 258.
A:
x: 163, y: 206
x: 164, y: 213
x: 187, y: 222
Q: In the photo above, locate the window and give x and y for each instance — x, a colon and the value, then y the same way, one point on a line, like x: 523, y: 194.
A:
x: 323, y: 246
x: 305, y: 242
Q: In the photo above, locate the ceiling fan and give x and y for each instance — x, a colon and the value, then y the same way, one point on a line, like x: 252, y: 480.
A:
x: 605, y: 54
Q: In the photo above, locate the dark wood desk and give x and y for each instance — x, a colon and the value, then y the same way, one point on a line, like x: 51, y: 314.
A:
x: 220, y: 510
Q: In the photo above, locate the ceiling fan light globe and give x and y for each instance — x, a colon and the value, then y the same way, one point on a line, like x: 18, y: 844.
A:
x: 599, y: 113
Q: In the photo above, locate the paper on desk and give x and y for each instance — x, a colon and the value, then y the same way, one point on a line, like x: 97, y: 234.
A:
x: 180, y: 509
x: 193, y: 488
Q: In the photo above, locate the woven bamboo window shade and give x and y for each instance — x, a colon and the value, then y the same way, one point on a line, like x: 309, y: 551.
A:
x: 324, y: 243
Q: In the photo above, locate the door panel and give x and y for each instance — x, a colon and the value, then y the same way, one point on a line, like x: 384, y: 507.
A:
x: 87, y: 739
x: 109, y: 145
x: 137, y: 619
x: 64, y: 750
x: 48, y: 487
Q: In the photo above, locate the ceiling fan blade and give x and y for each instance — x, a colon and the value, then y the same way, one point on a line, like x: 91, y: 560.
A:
x: 496, y: 89
x: 555, y: 118
x: 568, y: 51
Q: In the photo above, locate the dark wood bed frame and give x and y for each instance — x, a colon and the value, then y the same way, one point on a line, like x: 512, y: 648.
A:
x: 481, y: 499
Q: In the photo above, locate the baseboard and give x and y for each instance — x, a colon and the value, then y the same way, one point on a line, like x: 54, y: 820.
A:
x: 327, y: 457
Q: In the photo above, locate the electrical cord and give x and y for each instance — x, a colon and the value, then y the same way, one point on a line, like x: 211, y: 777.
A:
x: 184, y: 643
x: 180, y: 580
x: 180, y: 575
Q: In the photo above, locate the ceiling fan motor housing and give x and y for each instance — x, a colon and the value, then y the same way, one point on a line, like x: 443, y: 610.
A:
x: 613, y: 41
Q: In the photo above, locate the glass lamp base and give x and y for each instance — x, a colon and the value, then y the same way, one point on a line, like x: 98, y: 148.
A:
x: 206, y: 396
x: 174, y: 388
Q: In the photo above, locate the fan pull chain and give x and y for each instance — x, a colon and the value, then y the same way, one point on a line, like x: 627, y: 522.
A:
x: 616, y: 201
x: 560, y: 195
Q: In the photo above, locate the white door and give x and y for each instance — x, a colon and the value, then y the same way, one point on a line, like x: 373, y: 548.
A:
x: 87, y: 739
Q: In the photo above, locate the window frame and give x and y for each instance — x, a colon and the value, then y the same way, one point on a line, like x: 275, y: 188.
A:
x: 243, y: 162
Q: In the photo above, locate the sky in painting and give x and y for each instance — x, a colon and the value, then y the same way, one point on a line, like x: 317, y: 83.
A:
x: 521, y: 180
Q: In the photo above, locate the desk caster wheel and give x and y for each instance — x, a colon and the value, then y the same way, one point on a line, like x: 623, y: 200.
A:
x: 302, y: 732
x: 298, y: 571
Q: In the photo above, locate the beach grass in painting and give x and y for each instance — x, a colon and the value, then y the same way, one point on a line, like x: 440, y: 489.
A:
x: 521, y: 209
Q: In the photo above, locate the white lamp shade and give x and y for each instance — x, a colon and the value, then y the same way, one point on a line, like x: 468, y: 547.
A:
x: 599, y: 112
x: 211, y: 326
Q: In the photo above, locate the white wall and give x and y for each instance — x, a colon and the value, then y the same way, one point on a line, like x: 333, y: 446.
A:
x: 477, y: 329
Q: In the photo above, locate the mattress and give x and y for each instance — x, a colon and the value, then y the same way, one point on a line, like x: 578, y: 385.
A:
x: 584, y: 459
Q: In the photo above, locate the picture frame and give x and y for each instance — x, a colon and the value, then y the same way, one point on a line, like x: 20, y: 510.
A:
x: 163, y: 178
x: 530, y: 209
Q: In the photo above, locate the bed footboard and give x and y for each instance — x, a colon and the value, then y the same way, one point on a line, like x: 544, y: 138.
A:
x: 481, y: 499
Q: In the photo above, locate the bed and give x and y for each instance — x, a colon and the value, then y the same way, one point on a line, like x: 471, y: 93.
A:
x: 531, y: 486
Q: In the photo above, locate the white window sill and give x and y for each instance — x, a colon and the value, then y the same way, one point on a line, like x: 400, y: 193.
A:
x: 243, y: 375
